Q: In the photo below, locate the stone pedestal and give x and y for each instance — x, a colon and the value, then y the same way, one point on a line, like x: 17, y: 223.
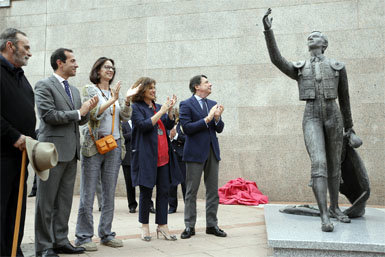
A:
x: 295, y: 235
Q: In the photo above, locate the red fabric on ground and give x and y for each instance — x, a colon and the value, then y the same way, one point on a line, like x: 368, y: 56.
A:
x: 240, y: 191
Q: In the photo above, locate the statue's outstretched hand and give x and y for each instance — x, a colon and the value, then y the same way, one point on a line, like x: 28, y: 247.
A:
x: 266, y: 21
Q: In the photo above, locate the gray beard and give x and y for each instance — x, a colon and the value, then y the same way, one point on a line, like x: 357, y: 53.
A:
x: 19, y: 59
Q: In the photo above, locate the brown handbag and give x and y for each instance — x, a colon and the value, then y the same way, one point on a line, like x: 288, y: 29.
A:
x: 107, y: 143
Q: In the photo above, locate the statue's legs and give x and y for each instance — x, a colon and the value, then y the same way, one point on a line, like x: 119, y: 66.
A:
x: 315, y: 144
x: 333, y: 127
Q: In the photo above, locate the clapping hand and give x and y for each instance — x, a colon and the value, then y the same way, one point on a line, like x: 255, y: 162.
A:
x: 218, y: 112
x: 115, y: 91
x: 212, y: 111
x: 169, y: 104
x: 173, y: 101
x: 131, y: 92
x: 88, y: 105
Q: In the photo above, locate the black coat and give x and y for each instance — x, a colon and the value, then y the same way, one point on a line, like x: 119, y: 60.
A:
x: 17, y: 108
x: 178, y: 144
x: 127, y: 141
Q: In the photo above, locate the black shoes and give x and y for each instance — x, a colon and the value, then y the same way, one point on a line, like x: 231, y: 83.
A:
x: 171, y: 211
x: 187, y: 233
x: 216, y: 231
x: 48, y: 253
x: 69, y: 249
x: 132, y: 210
x: 152, y: 209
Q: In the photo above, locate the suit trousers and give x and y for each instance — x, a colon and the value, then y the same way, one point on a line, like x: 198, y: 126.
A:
x: 193, y: 178
x: 173, y: 193
x: 53, y: 206
x: 107, y: 165
x: 162, y: 188
x: 10, y: 181
x: 129, y: 188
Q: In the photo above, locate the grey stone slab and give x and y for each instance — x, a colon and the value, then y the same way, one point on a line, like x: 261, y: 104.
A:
x: 371, y: 13
x: 365, y: 234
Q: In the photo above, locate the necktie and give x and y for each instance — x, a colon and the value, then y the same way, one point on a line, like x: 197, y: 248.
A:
x: 204, y: 106
x: 67, y: 89
x: 317, y: 70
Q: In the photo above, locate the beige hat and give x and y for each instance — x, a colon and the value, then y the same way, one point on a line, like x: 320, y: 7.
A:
x: 42, y: 156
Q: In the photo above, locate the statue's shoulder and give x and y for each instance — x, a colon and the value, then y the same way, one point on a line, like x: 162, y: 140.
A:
x: 336, y: 65
x: 299, y: 64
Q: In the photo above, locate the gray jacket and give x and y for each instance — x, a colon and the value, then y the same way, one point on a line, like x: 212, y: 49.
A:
x: 59, y: 120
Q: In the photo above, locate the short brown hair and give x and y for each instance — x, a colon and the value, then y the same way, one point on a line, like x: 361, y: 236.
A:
x: 145, y: 82
x: 94, y: 74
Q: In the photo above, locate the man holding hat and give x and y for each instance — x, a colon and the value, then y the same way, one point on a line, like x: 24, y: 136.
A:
x: 17, y: 122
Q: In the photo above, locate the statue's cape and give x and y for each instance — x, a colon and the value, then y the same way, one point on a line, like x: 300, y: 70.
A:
x: 354, y: 181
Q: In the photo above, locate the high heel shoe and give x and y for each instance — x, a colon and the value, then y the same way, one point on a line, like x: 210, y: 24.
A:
x: 145, y: 235
x: 165, y: 234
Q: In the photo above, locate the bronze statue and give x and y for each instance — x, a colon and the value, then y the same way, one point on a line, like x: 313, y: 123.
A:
x: 321, y: 81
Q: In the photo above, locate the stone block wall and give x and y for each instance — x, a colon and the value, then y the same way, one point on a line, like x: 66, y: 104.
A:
x: 173, y: 40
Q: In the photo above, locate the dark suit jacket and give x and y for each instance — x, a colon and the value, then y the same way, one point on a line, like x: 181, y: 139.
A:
x: 144, y: 153
x: 127, y: 141
x: 59, y: 120
x: 199, y: 136
x: 17, y: 108
x: 178, y: 144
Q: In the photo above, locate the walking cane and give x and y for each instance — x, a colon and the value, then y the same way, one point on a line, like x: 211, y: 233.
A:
x: 19, y: 204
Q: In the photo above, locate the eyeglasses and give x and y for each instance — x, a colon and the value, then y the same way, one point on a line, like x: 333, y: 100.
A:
x: 108, y: 67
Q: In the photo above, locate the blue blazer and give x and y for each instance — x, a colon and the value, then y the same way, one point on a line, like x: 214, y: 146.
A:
x: 199, y: 136
x: 144, y: 147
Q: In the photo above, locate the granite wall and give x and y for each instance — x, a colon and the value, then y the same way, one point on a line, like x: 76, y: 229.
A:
x: 172, y: 41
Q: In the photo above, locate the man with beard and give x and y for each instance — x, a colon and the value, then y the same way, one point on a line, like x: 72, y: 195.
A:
x: 17, y: 122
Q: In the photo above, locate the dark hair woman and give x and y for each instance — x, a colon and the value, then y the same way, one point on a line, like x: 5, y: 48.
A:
x: 105, y: 119
x: 153, y: 162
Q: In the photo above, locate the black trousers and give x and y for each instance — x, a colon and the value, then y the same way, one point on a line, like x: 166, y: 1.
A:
x: 173, y: 193
x: 132, y: 203
x: 162, y: 188
x: 10, y: 180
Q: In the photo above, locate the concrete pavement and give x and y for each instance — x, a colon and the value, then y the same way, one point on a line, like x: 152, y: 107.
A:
x: 244, y: 225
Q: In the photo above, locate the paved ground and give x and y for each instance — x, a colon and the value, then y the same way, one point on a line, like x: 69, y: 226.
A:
x: 245, y: 226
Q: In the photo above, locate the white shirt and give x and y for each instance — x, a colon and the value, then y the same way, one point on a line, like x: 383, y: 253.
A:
x: 200, y: 101
x: 61, y: 82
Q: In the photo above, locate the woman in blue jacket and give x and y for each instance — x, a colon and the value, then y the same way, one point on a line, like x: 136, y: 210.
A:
x: 153, y: 161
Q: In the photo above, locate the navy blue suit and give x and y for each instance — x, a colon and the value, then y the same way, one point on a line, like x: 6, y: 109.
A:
x: 144, y: 170
x: 201, y: 153
x: 199, y: 137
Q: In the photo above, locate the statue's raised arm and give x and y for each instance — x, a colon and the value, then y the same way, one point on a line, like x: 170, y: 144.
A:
x: 275, y: 56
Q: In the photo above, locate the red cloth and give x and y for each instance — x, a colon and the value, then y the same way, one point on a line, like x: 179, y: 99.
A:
x: 240, y: 191
x: 162, y: 144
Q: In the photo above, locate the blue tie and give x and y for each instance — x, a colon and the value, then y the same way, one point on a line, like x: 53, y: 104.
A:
x: 204, y: 105
x: 67, y: 89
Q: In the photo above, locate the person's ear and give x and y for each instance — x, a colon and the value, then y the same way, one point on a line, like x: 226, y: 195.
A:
x: 59, y: 63
x: 9, y: 45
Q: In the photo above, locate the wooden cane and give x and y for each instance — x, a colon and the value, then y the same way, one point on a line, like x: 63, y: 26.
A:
x: 19, y: 204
